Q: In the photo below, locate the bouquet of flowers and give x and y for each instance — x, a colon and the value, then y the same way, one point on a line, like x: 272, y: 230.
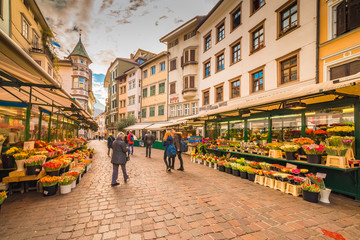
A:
x: 310, y: 187
x: 240, y: 161
x: 12, y: 151
x: 259, y: 172
x: 66, y: 179
x: 290, y: 148
x: 35, y: 160
x: 3, y: 196
x: 316, y: 180
x: 347, y: 141
x: 227, y: 164
x: 298, y: 180
x: 265, y: 166
x: 52, y: 166
x: 341, y: 130
x: 273, y: 146
x: 314, y: 149
x: 269, y: 174
x: 40, y: 144
x: 20, y: 156
x: 303, y: 141
x: 215, y: 160
x: 242, y: 168
x: 48, y: 181
x: 254, y: 165
x: 74, y: 174
x: 250, y: 170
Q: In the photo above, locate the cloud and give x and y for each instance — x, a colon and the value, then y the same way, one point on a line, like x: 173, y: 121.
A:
x: 178, y: 20
x: 106, y: 4
x: 100, y: 92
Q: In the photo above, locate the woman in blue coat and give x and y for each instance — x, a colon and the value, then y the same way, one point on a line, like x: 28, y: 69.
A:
x: 169, y: 162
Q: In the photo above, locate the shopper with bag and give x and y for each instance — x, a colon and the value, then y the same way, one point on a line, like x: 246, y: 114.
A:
x: 178, y: 143
x: 149, y: 140
x: 131, y: 140
x: 110, y: 141
x: 169, y: 152
x: 119, y: 157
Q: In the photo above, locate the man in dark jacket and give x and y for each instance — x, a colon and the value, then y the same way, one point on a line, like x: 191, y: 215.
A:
x: 119, y: 158
x: 177, y: 139
x: 149, y: 140
x: 110, y: 142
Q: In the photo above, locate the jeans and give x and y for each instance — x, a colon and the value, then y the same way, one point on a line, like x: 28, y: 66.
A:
x: 116, y: 172
x: 169, y: 162
x: 148, y: 150
x: 180, y: 159
x: 131, y: 146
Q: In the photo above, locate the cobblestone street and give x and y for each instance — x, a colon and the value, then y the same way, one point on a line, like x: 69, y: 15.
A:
x: 199, y: 203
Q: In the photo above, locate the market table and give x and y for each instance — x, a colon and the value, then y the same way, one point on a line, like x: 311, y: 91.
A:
x: 23, y: 181
x: 341, y: 180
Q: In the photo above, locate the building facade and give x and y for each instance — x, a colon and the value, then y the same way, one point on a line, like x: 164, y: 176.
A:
x: 154, y: 91
x: 249, y: 48
x: 5, y: 22
x: 339, y: 49
x: 134, y: 92
x: 183, y: 46
x: 100, y: 120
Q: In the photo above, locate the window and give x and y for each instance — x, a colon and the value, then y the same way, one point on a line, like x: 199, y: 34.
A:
x: 122, y: 103
x: 347, y: 16
x: 207, y: 42
x: 235, y: 89
x: 236, y: 17
x: 194, y: 109
x: 189, y: 35
x: 161, y: 110
x: 50, y: 69
x: 236, y: 52
x: 189, y: 56
x: 162, y: 66
x: 145, y: 73
x: 161, y: 88
x: 289, y: 70
x: 75, y: 83
x: 257, y: 79
x: 256, y: 4
x: 345, y: 70
x: 179, y: 110
x: 257, y: 38
x: 219, y: 93
x: 152, y: 111
x: 172, y: 88
x: 143, y: 113
x: 172, y: 111
x: 131, y: 100
x: 220, y: 62
x: 173, y: 44
x: 152, y: 90
x: 1, y: 9
x: 81, y: 83
x: 186, y: 109
x: 153, y: 70
x: 189, y: 82
x: 172, y: 64
x: 288, y: 19
x: 25, y: 28
x: 144, y: 93
x: 207, y: 69
x: 220, y: 32
x: 36, y: 40
x: 206, y: 97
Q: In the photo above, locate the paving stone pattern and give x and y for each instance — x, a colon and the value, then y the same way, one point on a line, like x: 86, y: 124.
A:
x: 200, y: 203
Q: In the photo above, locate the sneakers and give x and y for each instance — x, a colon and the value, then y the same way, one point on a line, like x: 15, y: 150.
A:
x: 115, y: 184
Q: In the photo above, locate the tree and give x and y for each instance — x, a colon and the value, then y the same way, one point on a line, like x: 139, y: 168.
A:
x: 125, y: 122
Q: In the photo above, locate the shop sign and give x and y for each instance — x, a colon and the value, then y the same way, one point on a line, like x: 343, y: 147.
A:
x: 292, y: 166
x: 321, y: 175
x: 174, y: 99
x: 28, y: 145
x: 212, y: 107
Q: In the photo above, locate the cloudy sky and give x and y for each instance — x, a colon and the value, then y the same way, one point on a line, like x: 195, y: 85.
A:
x: 116, y: 28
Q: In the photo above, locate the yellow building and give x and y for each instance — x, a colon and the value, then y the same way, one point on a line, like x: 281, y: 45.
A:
x: 122, y: 96
x: 31, y: 32
x: 339, y: 40
x: 154, y: 89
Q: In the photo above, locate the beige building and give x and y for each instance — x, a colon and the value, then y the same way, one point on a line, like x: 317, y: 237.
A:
x: 154, y: 89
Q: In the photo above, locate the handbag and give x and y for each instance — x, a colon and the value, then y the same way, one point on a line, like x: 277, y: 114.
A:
x: 127, y: 157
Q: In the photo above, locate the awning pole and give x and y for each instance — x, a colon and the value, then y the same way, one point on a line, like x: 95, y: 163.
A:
x: 303, y: 124
x: 246, y: 130
x: 62, y: 129
x: 357, y: 128
x: 228, y: 137
x: 49, y: 128
x: 77, y: 131
x: 27, y: 120
x: 57, y: 127
x: 40, y: 125
x: 269, y: 130
x: 205, y: 132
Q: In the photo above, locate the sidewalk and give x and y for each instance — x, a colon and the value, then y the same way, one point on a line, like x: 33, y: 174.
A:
x: 199, y: 203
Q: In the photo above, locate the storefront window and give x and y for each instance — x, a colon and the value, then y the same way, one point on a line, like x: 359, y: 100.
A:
x: 12, y: 125
x: 237, y: 130
x: 258, y: 129
x: 285, y: 128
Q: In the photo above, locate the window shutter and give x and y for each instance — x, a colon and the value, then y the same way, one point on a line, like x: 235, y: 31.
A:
x: 353, y: 14
x: 341, y: 18
x: 338, y: 72
x: 182, y: 61
x: 354, y: 67
x: 192, y: 82
x: 186, y: 83
x: 186, y: 56
x: 192, y: 55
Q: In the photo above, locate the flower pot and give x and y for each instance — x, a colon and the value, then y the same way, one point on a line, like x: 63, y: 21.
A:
x: 50, y: 191
x: 301, y: 151
x: 236, y: 172
x: 73, y: 184
x: 67, y: 168
x: 65, y: 189
x: 314, y: 158
x: 61, y: 171
x: 290, y: 155
x: 33, y: 170
x: 78, y: 179
x: 251, y: 177
x: 324, y: 195
x: 310, y: 196
x: 20, y: 164
x: 221, y: 168
x: 204, y: 162
x: 88, y: 167
x: 8, y: 161
x: 215, y: 166
x: 243, y: 175
x: 210, y: 164
x: 53, y: 173
x: 228, y: 170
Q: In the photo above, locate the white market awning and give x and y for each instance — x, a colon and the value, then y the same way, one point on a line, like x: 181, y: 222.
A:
x: 138, y: 126
x: 156, y: 126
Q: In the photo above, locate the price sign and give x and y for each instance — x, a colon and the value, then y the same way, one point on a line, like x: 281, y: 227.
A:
x: 29, y: 145
x: 321, y: 175
x: 292, y: 166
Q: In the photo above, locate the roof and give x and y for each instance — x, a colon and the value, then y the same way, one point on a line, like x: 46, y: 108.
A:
x: 163, y: 53
x: 79, y: 50
x: 210, y: 13
x: 128, y: 63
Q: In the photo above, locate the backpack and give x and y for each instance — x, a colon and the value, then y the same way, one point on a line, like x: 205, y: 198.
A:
x: 171, y: 151
x: 132, y: 138
x: 183, y: 146
x: 126, y: 139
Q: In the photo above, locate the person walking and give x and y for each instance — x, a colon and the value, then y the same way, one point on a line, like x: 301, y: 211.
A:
x: 169, y: 161
x: 149, y: 140
x: 119, y: 158
x: 110, y: 141
x: 130, y: 139
x: 177, y: 140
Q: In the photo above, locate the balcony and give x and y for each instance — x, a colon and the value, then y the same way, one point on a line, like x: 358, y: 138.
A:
x: 189, y: 93
x: 36, y: 47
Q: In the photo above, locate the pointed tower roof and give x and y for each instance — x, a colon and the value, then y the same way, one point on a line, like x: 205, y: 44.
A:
x: 79, y: 50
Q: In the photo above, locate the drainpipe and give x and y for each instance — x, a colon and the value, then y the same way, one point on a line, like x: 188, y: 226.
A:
x: 167, y: 84
x: 317, y: 40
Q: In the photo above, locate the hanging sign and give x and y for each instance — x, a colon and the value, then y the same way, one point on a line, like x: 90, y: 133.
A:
x: 29, y: 145
x: 321, y: 175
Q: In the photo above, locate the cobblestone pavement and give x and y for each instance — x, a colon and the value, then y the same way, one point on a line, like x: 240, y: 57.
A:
x: 200, y: 203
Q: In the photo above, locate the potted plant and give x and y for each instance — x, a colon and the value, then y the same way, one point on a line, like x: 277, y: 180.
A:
x: 215, y: 161
x: 75, y: 176
x: 251, y: 173
x: 314, y: 153
x: 3, y: 196
x: 221, y: 166
x: 290, y: 151
x: 8, y: 160
x: 310, y: 192
x: 301, y: 142
x: 52, y: 168
x: 228, y: 168
x: 20, y: 160
x: 324, y: 192
x: 243, y: 172
x: 235, y: 170
x: 34, y: 164
x: 65, y: 182
x: 50, y: 185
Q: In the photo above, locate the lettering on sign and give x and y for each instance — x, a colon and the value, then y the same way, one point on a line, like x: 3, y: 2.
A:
x: 29, y: 145
x: 174, y: 99
x: 212, y: 107
x: 292, y: 166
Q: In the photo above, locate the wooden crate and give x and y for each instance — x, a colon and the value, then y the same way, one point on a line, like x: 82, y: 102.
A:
x: 336, y: 161
x: 279, y: 185
x: 269, y: 182
x: 294, y: 190
x: 260, y: 179
x: 17, y: 173
x: 275, y: 154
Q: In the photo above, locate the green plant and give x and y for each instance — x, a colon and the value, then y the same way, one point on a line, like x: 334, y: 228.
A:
x: 290, y: 148
x: 125, y: 122
x: 251, y: 170
x: 20, y: 156
x: 202, y: 148
x: 310, y: 187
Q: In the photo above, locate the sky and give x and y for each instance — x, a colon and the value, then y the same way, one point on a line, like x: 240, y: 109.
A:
x: 116, y: 28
